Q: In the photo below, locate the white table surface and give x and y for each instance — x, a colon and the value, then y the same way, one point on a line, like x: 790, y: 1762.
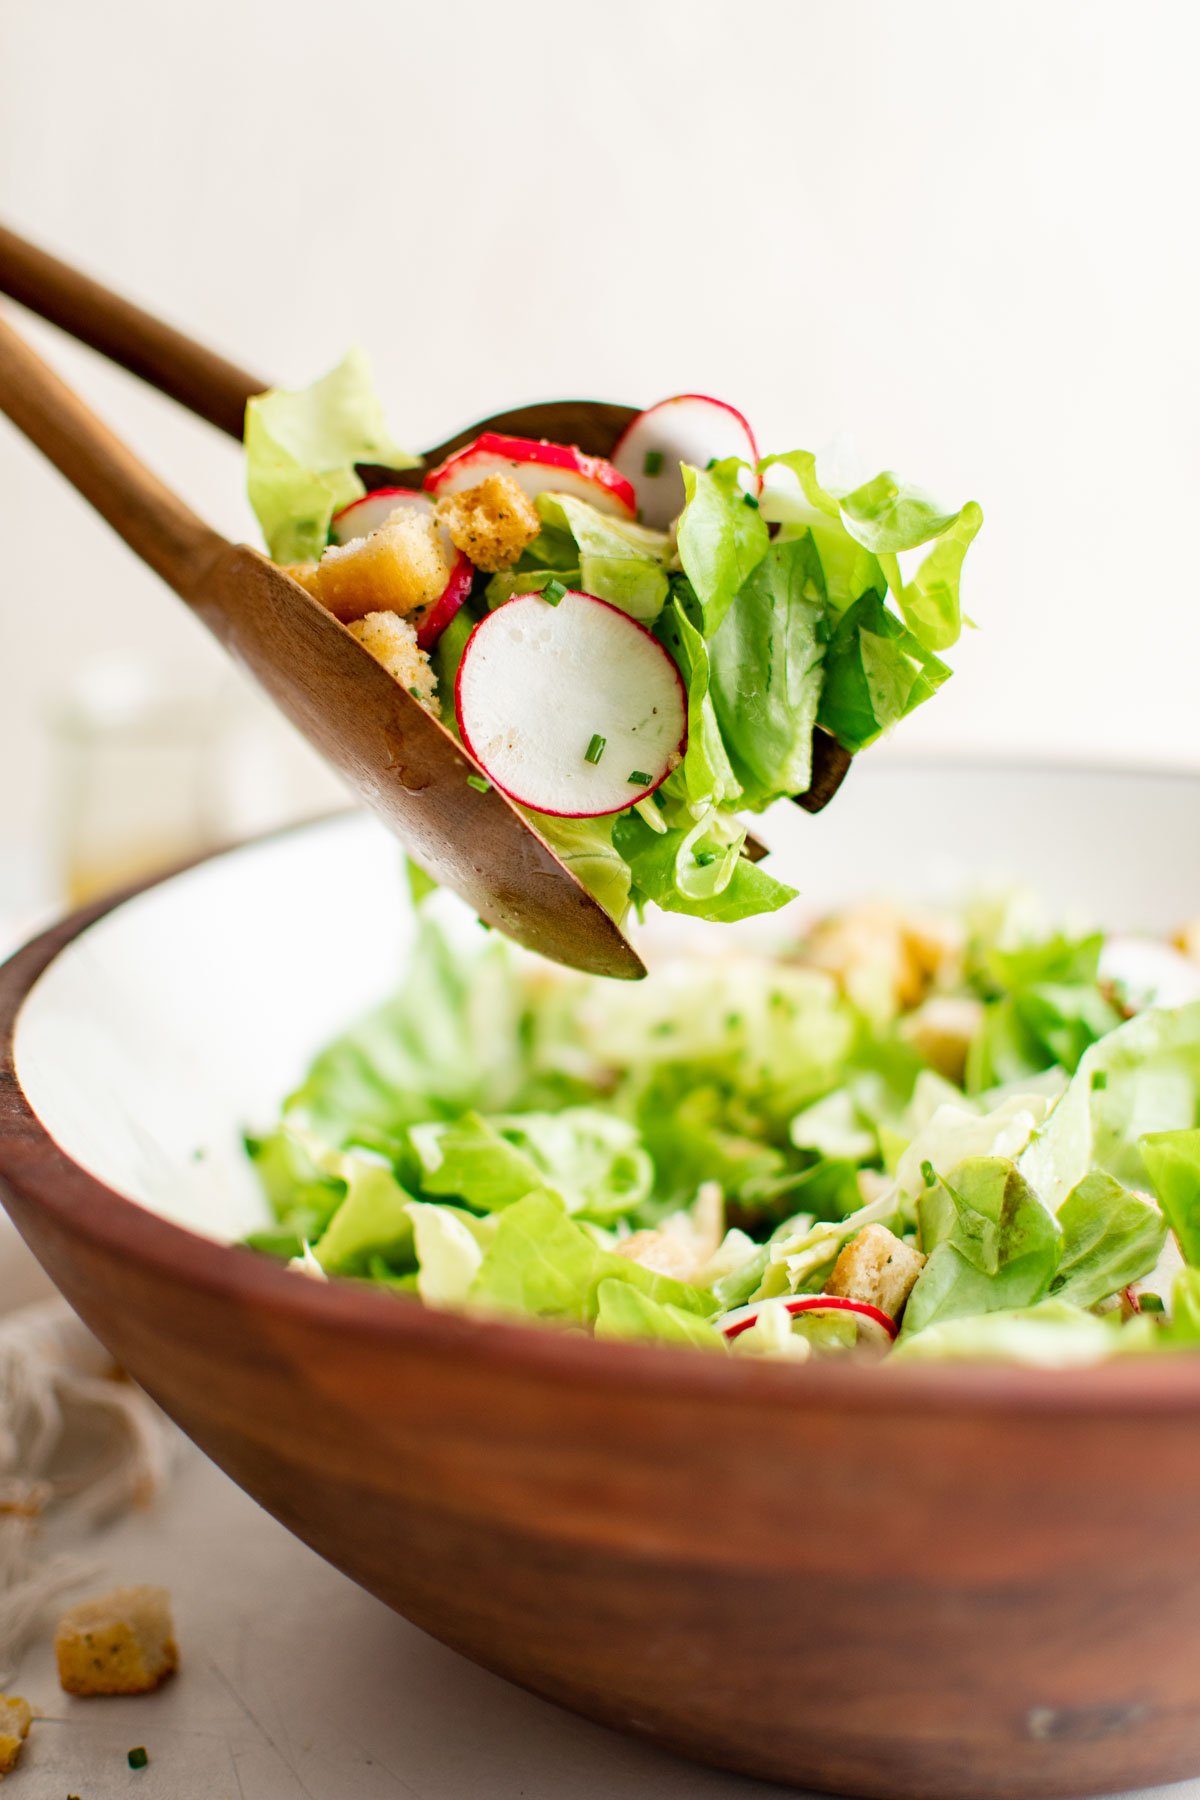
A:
x: 296, y: 1685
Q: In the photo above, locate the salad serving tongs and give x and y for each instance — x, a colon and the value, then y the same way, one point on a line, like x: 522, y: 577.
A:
x: 403, y: 762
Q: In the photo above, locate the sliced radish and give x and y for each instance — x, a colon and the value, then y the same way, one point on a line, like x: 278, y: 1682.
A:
x: 874, y: 1317
x: 447, y: 603
x: 540, y: 467
x: 689, y: 428
x: 541, y: 686
x: 364, y: 516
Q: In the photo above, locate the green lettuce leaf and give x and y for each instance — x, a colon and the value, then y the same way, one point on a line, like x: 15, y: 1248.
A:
x: 592, y: 1160
x: 542, y: 1264
x: 301, y: 449
x: 449, y: 1246
x: 992, y: 1245
x: 624, y: 1312
x: 620, y: 562
x: 767, y: 672
x: 705, y: 777
x: 876, y: 672
x: 669, y: 868
x: 1172, y: 1160
x: 1110, y: 1238
x: 586, y: 847
x: 887, y: 517
x: 455, y: 1037
x: 371, y: 1222
x: 721, y: 536
x: 1141, y: 1079
x: 1050, y: 1335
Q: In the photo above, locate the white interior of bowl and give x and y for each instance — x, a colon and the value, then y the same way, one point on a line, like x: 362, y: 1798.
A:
x: 185, y: 1015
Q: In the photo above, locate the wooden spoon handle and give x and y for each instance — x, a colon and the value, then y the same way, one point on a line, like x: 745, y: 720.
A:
x: 154, y: 522
x: 199, y: 379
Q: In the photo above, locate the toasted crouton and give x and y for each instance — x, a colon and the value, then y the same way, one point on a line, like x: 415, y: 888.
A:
x: 393, y: 643
x: 15, y: 1720
x: 491, y: 523
x: 119, y: 1643
x: 942, y: 1030
x: 876, y: 1267
x: 885, y: 960
x: 305, y: 573
x: 400, y: 568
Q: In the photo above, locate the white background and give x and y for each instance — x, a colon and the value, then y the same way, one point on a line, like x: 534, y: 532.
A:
x: 964, y: 233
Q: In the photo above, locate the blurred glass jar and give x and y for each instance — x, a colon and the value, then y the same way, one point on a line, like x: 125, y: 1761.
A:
x: 142, y: 774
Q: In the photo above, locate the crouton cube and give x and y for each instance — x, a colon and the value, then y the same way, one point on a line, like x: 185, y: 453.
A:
x: 15, y: 1720
x: 877, y: 1268
x: 392, y: 641
x: 305, y: 573
x: 119, y: 1643
x: 492, y: 523
x: 400, y: 568
x: 942, y: 1030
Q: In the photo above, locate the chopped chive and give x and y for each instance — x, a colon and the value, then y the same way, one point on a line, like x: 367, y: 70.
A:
x: 653, y: 463
x: 928, y: 1174
x: 750, y: 500
x: 553, y: 592
x: 595, y: 749
x: 639, y: 778
x: 711, y: 463
x: 1151, y: 1303
x: 1099, y: 1079
x: 478, y: 783
x: 138, y: 1758
x: 704, y: 857
x: 415, y: 692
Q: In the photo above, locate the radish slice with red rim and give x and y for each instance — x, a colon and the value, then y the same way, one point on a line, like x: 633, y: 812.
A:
x: 370, y: 511
x: 540, y: 467
x: 447, y: 603
x: 688, y: 428
x: 735, y: 1323
x: 573, y: 708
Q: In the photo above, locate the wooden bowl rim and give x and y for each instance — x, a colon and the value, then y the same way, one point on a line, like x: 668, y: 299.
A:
x: 34, y: 1166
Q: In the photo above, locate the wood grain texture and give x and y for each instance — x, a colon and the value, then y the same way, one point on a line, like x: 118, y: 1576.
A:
x: 923, y: 1585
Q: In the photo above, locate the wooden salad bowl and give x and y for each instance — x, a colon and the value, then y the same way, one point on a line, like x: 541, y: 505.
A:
x: 917, y: 1583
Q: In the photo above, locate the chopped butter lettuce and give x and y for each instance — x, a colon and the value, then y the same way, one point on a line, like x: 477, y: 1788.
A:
x: 301, y: 449
x: 637, y: 1161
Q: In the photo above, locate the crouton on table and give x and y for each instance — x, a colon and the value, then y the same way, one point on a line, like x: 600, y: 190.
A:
x: 15, y: 1720
x: 119, y: 1643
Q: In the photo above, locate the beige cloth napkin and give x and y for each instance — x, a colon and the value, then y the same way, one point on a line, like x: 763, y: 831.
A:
x: 79, y: 1443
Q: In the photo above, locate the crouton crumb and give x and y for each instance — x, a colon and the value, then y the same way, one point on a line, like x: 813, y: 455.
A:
x: 401, y: 568
x: 393, y: 643
x: 16, y: 1716
x: 942, y: 1030
x: 877, y: 1268
x: 492, y: 523
x: 119, y: 1643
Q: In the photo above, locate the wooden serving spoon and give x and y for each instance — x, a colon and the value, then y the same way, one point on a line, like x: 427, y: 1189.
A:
x: 217, y: 390
x: 402, y: 762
